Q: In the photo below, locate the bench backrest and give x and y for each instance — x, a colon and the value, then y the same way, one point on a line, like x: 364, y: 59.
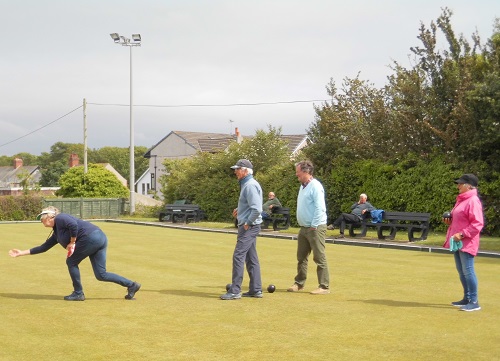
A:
x: 280, y: 210
x: 407, y: 216
x: 182, y: 207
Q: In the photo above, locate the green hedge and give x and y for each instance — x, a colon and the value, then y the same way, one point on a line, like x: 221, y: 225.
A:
x: 20, y: 208
x: 414, y: 184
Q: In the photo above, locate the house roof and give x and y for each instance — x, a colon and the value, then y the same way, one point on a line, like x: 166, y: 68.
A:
x: 207, y: 142
x: 213, y: 142
x: 295, y: 142
x: 200, y: 141
x: 10, y: 175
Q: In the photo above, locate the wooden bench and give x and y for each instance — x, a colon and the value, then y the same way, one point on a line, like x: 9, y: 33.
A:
x: 182, y: 213
x: 413, y: 222
x: 279, y: 218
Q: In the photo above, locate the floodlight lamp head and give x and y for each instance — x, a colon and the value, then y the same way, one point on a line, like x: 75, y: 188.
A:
x: 115, y: 37
x: 136, y: 37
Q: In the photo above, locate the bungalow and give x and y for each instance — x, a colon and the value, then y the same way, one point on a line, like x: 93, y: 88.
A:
x: 14, y: 179
x: 180, y: 144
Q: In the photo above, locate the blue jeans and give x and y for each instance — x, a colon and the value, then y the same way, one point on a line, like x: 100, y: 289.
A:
x: 465, y: 267
x: 245, y: 252
x: 93, y: 246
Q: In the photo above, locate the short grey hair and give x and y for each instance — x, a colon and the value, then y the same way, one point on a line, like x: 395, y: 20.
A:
x: 249, y: 170
x: 306, y: 166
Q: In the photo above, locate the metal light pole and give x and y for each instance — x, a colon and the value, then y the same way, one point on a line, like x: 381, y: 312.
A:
x: 126, y: 42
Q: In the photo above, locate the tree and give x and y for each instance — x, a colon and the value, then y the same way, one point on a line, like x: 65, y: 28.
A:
x: 119, y: 158
x: 97, y: 182
x: 54, y: 164
x: 351, y: 125
x: 28, y: 159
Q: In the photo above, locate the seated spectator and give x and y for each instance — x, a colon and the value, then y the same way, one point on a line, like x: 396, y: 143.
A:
x: 271, y: 202
x: 357, y: 211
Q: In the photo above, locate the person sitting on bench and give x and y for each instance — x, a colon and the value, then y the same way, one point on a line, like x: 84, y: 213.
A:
x: 267, y: 207
x: 357, y: 211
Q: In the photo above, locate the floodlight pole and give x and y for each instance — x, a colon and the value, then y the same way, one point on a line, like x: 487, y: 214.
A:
x: 126, y: 42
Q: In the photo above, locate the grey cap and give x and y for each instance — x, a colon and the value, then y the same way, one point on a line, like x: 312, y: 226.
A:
x: 242, y: 163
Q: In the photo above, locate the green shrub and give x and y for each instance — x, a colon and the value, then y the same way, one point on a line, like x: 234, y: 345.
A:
x: 20, y: 208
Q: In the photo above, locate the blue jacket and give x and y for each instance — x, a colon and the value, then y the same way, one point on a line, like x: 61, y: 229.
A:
x: 311, y: 207
x: 65, y: 227
x: 250, y: 202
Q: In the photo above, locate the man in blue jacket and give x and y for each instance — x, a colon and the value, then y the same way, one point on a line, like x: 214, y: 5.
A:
x: 249, y: 218
x: 311, y: 216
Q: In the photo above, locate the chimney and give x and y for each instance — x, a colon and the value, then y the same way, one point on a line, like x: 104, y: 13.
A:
x: 18, y: 162
x: 239, y: 138
x: 73, y: 160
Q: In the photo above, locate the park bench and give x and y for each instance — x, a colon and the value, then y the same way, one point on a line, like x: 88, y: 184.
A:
x: 412, y: 222
x: 181, y: 213
x: 279, y: 218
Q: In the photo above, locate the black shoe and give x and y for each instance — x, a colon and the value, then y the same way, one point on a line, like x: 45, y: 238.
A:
x: 460, y: 303
x: 257, y: 294
x: 340, y: 236
x: 132, y: 290
x: 75, y: 297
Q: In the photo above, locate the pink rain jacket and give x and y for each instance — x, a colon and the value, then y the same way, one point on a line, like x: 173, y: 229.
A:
x: 467, y: 218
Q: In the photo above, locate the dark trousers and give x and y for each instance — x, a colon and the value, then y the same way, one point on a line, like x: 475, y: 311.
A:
x: 345, y: 218
x: 245, y: 252
x: 94, y: 247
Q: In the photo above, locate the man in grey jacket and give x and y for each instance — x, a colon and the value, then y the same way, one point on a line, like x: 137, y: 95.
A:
x: 358, y: 211
x: 249, y: 218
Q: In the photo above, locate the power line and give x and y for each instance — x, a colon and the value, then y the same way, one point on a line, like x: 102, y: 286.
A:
x: 44, y: 126
x: 166, y: 106
x: 212, y: 105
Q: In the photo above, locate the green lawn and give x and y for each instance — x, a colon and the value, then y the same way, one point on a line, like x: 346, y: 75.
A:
x: 386, y: 304
x: 491, y: 244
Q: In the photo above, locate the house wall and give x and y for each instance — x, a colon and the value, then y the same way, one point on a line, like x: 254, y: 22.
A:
x: 172, y: 147
x: 143, y: 184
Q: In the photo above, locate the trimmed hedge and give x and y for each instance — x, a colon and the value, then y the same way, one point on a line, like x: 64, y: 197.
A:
x: 20, y: 208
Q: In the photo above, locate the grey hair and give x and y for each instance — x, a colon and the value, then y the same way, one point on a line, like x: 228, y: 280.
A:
x: 49, y: 212
x: 306, y: 166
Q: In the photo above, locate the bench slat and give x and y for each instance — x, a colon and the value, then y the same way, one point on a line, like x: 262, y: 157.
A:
x: 392, y: 221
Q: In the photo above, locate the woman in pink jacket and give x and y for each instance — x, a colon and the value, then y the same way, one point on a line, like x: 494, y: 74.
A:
x: 465, y: 225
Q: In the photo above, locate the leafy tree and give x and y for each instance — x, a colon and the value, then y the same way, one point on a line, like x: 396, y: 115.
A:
x: 51, y: 174
x: 97, y: 182
x: 28, y: 159
x: 119, y: 158
x: 54, y: 164
x: 351, y: 125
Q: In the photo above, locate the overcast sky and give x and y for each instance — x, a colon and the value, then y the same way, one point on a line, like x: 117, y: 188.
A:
x: 55, y: 53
